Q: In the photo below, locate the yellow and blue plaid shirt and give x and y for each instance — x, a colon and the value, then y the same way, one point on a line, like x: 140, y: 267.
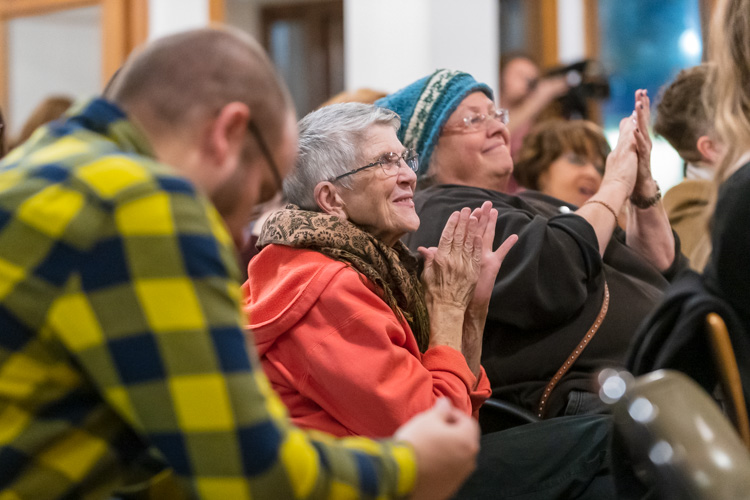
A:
x: 121, y: 336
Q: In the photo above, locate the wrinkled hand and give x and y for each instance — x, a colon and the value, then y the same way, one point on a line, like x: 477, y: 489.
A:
x: 446, y: 443
x: 490, y: 260
x: 622, y: 162
x: 451, y: 270
x: 644, y: 183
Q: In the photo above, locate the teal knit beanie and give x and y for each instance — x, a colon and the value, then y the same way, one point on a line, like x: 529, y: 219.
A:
x: 425, y: 106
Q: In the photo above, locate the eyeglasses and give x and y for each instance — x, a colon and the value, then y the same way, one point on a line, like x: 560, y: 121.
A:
x: 478, y: 121
x: 266, y: 153
x: 390, y: 163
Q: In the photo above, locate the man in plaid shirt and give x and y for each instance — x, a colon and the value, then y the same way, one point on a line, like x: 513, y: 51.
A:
x: 122, y: 354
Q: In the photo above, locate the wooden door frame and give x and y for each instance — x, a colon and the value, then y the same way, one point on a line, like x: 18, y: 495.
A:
x: 124, y: 25
x: 310, y: 12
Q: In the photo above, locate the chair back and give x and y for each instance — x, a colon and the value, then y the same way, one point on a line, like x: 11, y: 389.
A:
x: 729, y: 375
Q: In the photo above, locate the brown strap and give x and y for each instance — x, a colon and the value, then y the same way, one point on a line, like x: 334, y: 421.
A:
x: 574, y: 355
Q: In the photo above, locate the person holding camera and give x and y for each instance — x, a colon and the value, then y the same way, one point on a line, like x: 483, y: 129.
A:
x: 525, y: 95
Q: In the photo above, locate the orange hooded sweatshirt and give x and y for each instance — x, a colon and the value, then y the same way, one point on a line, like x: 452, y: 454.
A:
x: 338, y: 356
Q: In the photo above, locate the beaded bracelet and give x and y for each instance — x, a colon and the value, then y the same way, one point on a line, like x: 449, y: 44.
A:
x: 644, y: 203
x: 605, y: 205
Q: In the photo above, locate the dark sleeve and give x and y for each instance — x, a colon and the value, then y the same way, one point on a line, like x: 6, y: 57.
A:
x: 728, y: 269
x: 546, y: 277
x: 639, y: 267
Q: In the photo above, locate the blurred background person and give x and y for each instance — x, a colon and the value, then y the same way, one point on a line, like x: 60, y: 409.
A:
x: 682, y: 120
x: 563, y: 159
x: 48, y: 110
x: 726, y: 96
x: 525, y: 94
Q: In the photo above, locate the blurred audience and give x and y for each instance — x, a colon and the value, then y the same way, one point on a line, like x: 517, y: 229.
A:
x: 50, y: 109
x: 553, y: 292
x: 525, y: 94
x: 563, y: 159
x: 682, y: 120
x: 674, y: 335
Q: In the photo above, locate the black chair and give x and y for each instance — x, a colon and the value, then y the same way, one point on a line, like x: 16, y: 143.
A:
x: 496, y: 415
x: 698, y: 334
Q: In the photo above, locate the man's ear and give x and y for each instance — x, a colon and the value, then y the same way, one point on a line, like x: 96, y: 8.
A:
x: 227, y: 135
x: 329, y: 200
x: 709, y: 149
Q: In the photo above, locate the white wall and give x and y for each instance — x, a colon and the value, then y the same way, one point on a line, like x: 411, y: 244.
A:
x: 61, y: 52
x: 58, y: 53
x: 571, y: 31
x: 465, y: 36
x: 170, y: 16
x: 390, y: 43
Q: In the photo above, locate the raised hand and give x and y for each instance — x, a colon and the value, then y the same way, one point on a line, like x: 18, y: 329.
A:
x: 476, y: 314
x: 622, y: 162
x: 645, y: 187
x: 451, y: 270
x: 490, y: 260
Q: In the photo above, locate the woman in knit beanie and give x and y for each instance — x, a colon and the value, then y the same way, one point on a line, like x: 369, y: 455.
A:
x: 425, y: 106
x: 551, y: 324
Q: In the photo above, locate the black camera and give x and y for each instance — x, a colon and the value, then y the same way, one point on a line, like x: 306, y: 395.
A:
x: 587, y: 81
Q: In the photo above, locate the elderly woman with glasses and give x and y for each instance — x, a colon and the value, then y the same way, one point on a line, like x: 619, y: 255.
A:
x: 574, y: 290
x: 353, y: 334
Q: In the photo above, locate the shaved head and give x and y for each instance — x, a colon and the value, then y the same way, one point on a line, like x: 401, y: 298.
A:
x: 175, y: 82
x: 195, y: 94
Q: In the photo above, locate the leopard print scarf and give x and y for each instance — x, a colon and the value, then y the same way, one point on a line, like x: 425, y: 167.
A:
x: 393, y: 269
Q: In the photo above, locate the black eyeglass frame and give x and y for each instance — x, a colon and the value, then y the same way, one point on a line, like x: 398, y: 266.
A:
x: 406, y: 159
x: 266, y: 153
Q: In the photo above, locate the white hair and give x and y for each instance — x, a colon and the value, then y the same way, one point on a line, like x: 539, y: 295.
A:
x: 330, y: 144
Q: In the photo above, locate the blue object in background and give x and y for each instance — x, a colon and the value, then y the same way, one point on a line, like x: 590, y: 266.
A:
x: 644, y: 44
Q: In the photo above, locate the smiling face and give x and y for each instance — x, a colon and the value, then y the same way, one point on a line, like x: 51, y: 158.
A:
x: 564, y: 159
x: 478, y: 158
x: 572, y: 178
x: 379, y: 204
